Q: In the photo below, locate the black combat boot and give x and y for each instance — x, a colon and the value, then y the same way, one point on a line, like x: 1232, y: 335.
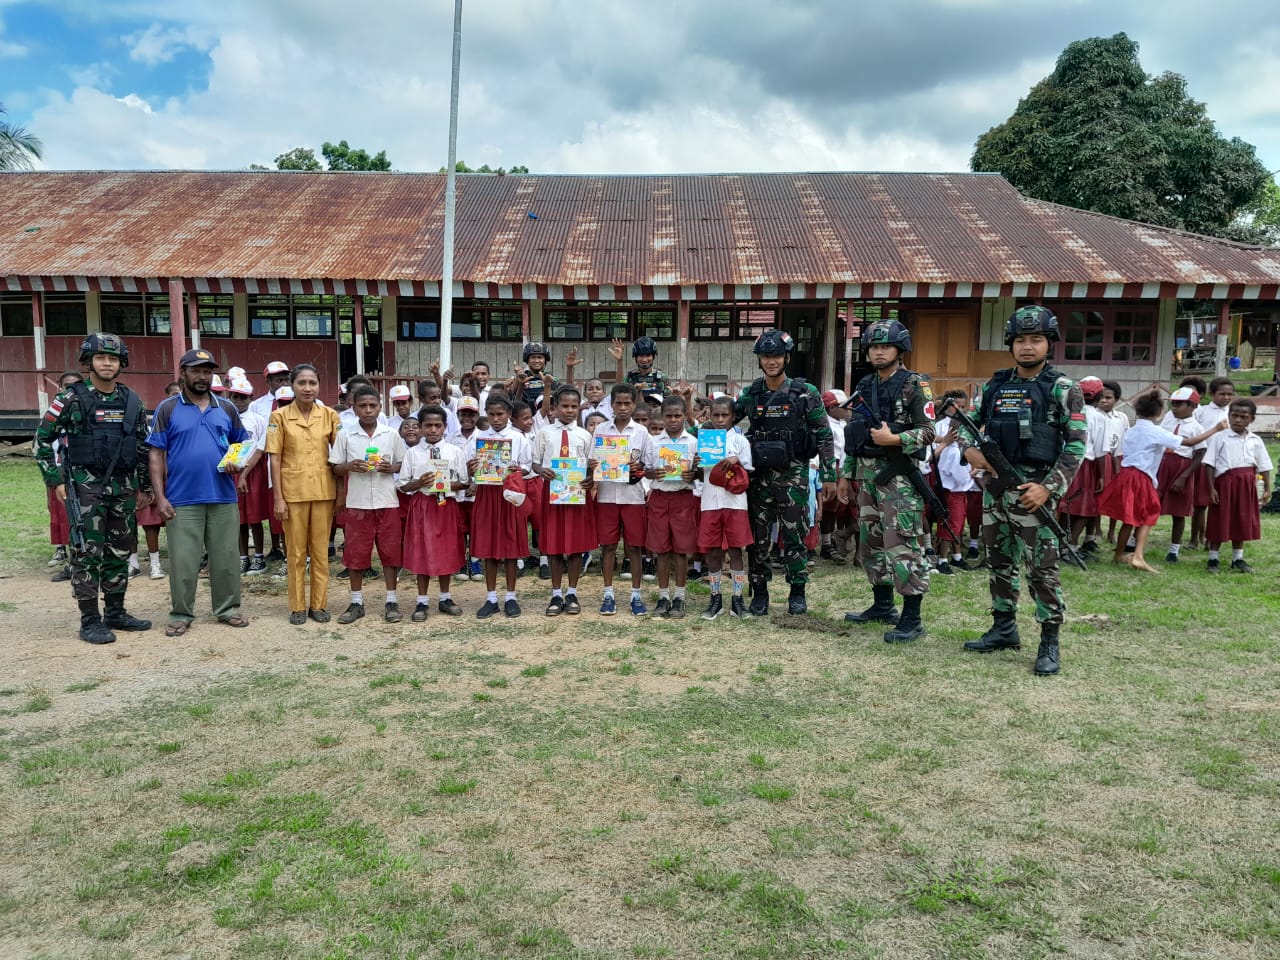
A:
x: 881, y: 611
x: 909, y: 626
x: 759, y: 599
x: 795, y: 602
x: 115, y: 616
x: 92, y: 629
x: 1047, y: 661
x: 1003, y: 635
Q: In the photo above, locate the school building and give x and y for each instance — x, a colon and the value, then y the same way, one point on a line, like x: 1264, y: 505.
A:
x: 343, y: 270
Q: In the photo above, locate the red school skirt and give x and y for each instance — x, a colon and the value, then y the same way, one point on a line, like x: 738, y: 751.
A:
x: 255, y: 502
x: 1176, y: 503
x: 1131, y: 498
x: 1236, y: 514
x: 148, y: 516
x: 1081, y: 498
x: 59, y: 523
x: 433, y: 537
x: 497, y: 532
x: 535, y: 488
x: 567, y: 528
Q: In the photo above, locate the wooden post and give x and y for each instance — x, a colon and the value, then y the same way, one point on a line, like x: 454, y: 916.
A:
x: 1224, y: 324
x: 177, y: 331
x: 37, y: 330
x: 358, y: 302
x: 193, y: 321
x: 848, y: 347
x: 682, y: 331
x: 524, y: 321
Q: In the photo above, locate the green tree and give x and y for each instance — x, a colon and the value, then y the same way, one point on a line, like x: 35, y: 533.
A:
x: 461, y: 167
x: 1259, y: 221
x: 18, y: 148
x: 341, y: 156
x: 1101, y: 134
x: 299, y: 158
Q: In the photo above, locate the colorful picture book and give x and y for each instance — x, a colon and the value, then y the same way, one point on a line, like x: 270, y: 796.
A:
x: 494, y: 454
x: 713, y: 446
x: 675, y: 456
x: 613, y: 458
x: 237, y: 456
x: 566, y: 489
x: 439, y: 484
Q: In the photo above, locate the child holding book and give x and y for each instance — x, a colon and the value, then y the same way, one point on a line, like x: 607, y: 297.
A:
x: 499, y: 535
x: 367, y: 455
x: 620, y: 501
x: 723, y: 523
x: 566, y: 529
x: 1232, y: 462
x: 432, y: 476
x: 671, y: 516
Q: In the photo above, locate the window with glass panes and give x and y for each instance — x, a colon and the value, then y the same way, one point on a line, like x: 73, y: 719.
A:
x: 370, y: 310
x: 269, y: 316
x: 1121, y: 333
x: 121, y: 315
x: 607, y: 320
x: 15, y: 317
x: 65, y: 316
x: 215, y: 314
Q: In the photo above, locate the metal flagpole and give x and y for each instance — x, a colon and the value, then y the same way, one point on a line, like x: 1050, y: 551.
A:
x: 450, y: 199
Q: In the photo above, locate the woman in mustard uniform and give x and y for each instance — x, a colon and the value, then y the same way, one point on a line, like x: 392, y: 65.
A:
x: 298, y: 440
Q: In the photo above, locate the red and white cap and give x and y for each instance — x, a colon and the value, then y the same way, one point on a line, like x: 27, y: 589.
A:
x: 399, y: 392
x: 469, y: 403
x: 284, y: 393
x: 217, y: 386
x: 236, y: 373
x: 1186, y: 394
x: 241, y: 386
x: 1090, y: 387
x: 274, y: 367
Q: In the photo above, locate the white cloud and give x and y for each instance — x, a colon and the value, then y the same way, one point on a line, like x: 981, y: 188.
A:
x: 10, y: 50
x: 159, y: 44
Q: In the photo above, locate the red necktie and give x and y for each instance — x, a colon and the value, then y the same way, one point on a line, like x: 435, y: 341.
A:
x: 564, y: 443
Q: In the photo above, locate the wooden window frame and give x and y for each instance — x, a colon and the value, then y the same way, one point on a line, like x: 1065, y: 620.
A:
x: 1104, y: 320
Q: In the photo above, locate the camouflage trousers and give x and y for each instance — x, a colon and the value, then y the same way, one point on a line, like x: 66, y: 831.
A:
x: 782, y: 497
x: 1010, y: 533
x: 890, y: 534
x: 110, y: 535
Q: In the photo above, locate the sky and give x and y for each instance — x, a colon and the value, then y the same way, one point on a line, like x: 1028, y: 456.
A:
x: 591, y: 86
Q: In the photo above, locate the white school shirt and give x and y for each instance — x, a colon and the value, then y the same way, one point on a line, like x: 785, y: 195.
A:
x: 263, y: 406
x: 716, y: 497
x: 372, y: 490
x: 1229, y: 450
x: 587, y: 408
x: 1210, y: 415
x: 1144, y: 446
x: 837, y: 435
x: 612, y: 491
x: 418, y: 461
x: 349, y: 418
x: 1117, y: 427
x: 1098, y: 433
x: 1186, y: 427
x: 653, y: 460
x: 455, y: 394
x: 451, y: 424
x: 548, y: 442
x: 952, y: 469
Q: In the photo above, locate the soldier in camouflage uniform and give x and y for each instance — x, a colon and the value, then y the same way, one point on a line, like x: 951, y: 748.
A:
x: 893, y: 417
x: 788, y: 426
x: 1037, y: 416
x: 104, y: 441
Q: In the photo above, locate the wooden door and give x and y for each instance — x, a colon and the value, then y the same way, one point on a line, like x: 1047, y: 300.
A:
x: 943, y: 345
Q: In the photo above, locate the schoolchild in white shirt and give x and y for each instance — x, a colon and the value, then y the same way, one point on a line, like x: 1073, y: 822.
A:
x: 1232, y: 462
x: 1221, y: 391
x: 499, y: 533
x: 620, y: 504
x: 671, y: 515
x: 433, y: 534
x: 565, y: 530
x: 723, y: 522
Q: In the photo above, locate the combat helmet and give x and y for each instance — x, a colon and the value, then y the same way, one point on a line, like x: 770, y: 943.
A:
x: 107, y: 343
x: 644, y: 347
x: 1031, y: 319
x: 774, y: 342
x: 536, y: 348
x: 889, y: 332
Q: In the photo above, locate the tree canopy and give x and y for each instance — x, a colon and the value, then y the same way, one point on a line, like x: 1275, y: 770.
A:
x: 1101, y: 134
x: 461, y: 167
x: 339, y: 156
x: 18, y: 148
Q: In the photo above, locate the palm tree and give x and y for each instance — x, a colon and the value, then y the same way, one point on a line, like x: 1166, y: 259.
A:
x: 17, y: 147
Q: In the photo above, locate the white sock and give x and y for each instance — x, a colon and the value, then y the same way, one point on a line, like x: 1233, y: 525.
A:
x: 571, y: 592
x: 635, y: 593
x: 491, y: 596
x: 1213, y: 554
x: 1175, y: 548
x: 608, y: 592
x: 557, y: 595
x: 392, y: 597
x: 357, y: 596
x: 542, y: 561
x: 679, y: 593
x: 153, y: 559
x: 511, y: 595
x: 445, y: 596
x: 1237, y: 554
x: 423, y: 599
x: 973, y: 544
x: 133, y: 559
x: 664, y: 593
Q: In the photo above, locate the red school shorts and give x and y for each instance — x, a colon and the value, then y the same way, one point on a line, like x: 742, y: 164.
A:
x: 718, y: 529
x: 617, y: 520
x: 362, y: 529
x: 672, y: 523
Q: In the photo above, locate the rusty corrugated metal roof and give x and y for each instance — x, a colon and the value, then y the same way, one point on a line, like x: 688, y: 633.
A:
x: 786, y: 228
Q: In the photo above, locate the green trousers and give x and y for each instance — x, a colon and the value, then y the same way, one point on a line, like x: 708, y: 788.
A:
x: 195, y: 530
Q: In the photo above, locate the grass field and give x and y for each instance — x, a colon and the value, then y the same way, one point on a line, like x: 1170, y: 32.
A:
x: 609, y: 789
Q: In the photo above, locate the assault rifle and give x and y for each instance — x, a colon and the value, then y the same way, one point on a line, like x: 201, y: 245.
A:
x: 1007, y: 477
x: 75, y: 516
x: 898, y: 464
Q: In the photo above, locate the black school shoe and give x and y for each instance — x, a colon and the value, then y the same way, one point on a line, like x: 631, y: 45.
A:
x: 571, y: 605
x: 353, y: 613
x: 391, y: 613
x: 663, y: 609
x: 555, y: 607
x: 511, y: 609
x: 449, y: 608
x: 1239, y: 566
x: 420, y: 613
x: 487, y: 611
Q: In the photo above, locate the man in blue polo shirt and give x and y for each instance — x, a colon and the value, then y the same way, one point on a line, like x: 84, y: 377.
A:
x: 190, y: 433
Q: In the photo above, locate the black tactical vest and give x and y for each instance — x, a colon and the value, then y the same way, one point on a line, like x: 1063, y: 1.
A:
x: 107, y: 441
x: 882, y: 397
x: 1015, y: 414
x: 647, y: 383
x: 780, y: 417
